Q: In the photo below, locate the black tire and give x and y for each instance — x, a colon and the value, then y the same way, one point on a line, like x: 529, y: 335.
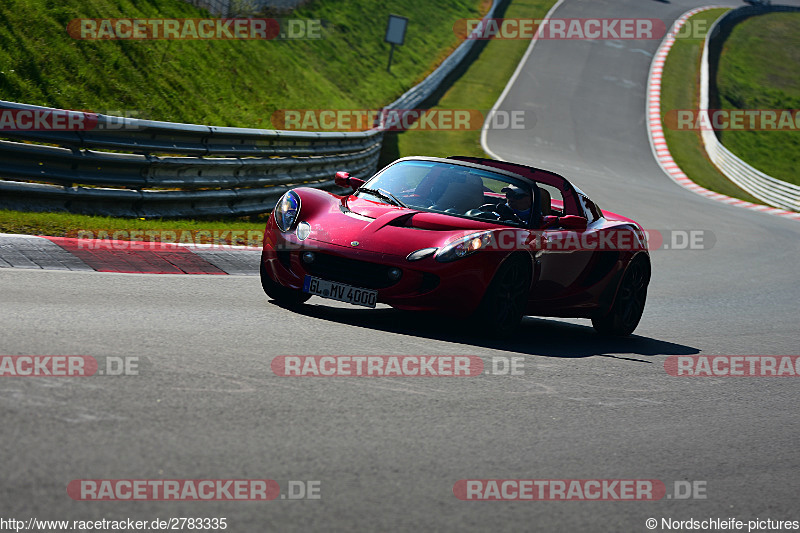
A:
x: 282, y: 295
x: 624, y: 315
x: 503, y: 305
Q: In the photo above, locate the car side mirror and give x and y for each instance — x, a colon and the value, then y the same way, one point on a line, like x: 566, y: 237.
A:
x: 573, y: 222
x: 549, y: 221
x: 343, y: 179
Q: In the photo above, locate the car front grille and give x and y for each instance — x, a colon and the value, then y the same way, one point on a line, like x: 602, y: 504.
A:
x: 350, y: 271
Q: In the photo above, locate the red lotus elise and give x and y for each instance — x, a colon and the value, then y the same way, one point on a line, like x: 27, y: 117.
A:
x: 462, y: 235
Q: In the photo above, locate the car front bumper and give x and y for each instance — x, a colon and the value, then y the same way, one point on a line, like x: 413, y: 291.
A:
x: 455, y: 288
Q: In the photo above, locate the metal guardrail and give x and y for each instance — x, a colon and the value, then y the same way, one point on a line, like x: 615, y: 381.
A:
x: 772, y: 191
x: 219, y: 171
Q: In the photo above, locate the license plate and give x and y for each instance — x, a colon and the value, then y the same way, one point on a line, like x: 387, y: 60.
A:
x: 340, y: 292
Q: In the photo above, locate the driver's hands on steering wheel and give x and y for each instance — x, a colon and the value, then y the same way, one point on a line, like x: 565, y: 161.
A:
x: 505, y: 212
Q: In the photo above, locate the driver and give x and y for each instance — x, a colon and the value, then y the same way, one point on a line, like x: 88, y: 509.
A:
x: 519, y: 201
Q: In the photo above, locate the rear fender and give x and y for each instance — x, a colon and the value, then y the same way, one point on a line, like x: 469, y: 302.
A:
x: 609, y: 295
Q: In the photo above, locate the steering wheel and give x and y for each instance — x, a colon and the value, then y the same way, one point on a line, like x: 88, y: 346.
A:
x: 483, y: 213
x: 502, y: 210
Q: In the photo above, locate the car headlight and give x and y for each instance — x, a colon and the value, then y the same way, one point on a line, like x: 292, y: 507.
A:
x: 287, y: 211
x: 421, y: 254
x: 464, y: 246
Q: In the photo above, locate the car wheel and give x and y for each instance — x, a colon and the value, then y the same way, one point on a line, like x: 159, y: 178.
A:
x: 627, y: 310
x: 503, y: 304
x: 282, y: 295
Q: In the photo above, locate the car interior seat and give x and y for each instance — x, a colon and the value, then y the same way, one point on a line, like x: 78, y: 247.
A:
x: 462, y: 193
x: 544, y: 202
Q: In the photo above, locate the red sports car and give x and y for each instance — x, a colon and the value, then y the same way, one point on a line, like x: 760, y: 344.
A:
x: 462, y: 235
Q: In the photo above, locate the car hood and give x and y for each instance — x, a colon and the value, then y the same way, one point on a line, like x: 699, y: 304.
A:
x: 388, y: 229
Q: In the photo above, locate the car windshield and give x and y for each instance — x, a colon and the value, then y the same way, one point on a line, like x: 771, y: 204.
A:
x: 453, y: 189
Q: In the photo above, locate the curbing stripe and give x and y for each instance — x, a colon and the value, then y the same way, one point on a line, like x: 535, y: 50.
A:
x: 655, y: 128
x: 133, y: 257
x: 136, y: 257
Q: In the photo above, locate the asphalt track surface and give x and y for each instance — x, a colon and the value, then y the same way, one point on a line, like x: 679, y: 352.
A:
x: 388, y: 451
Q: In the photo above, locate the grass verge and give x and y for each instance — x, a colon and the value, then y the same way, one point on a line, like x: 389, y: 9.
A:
x: 478, y: 88
x: 760, y: 69
x: 680, y: 90
x: 220, y: 82
x: 249, y: 229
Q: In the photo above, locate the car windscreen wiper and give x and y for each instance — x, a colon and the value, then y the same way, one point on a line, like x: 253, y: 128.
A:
x: 386, y: 195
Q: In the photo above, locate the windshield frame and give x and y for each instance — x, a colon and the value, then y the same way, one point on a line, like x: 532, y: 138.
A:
x: 496, y: 174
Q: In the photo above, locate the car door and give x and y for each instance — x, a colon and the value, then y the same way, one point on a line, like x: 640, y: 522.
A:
x: 563, y: 256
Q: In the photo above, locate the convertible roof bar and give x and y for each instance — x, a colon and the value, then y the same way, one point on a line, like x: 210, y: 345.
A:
x: 531, y: 173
